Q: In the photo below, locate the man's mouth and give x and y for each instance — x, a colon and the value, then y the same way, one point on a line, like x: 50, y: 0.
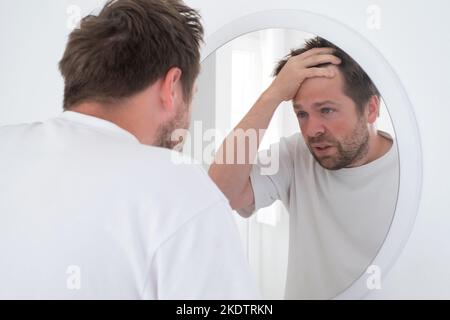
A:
x: 322, y: 149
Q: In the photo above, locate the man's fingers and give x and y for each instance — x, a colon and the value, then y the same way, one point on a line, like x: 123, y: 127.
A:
x: 321, y: 59
x: 301, y: 67
x: 316, y: 51
x: 319, y: 72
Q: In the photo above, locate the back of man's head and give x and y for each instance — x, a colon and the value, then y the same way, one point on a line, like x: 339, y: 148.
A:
x: 358, y: 85
x: 128, y: 46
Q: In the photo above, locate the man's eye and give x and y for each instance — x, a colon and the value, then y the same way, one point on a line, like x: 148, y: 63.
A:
x: 327, y: 110
x: 302, y: 114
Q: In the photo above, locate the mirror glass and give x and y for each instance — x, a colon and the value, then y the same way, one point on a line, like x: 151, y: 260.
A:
x: 328, y: 225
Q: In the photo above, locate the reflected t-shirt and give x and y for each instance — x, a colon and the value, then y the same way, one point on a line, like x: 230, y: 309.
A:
x: 338, y: 218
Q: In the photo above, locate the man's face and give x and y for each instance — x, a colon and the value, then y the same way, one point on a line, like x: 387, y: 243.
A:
x: 334, y: 131
x: 168, y: 135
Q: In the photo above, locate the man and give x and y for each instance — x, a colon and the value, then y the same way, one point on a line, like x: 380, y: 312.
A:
x: 91, y: 204
x: 338, y: 179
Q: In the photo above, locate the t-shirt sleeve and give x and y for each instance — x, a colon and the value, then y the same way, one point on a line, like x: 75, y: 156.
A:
x: 271, y: 175
x: 204, y: 259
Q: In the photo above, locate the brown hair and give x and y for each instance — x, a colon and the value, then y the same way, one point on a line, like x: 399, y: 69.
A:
x: 358, y: 85
x: 128, y: 46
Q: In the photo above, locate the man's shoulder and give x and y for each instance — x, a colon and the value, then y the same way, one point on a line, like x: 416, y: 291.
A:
x: 176, y: 172
x: 294, y: 147
x: 14, y: 129
x: 292, y: 143
x: 179, y: 185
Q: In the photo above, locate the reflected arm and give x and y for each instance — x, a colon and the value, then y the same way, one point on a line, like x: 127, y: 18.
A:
x: 233, y: 176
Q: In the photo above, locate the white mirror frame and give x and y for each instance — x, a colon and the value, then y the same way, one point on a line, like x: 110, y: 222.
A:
x: 397, y: 102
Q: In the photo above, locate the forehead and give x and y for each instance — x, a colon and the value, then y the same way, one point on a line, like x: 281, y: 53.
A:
x: 321, y: 89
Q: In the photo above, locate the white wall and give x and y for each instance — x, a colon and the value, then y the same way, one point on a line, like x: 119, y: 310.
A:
x: 32, y: 40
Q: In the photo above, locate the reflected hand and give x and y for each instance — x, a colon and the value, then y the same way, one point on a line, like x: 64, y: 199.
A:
x: 299, y: 68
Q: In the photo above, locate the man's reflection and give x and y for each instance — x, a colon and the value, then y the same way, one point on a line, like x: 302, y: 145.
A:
x: 338, y: 178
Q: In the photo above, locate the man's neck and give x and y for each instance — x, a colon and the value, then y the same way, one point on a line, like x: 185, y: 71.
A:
x: 379, y: 145
x: 129, y: 120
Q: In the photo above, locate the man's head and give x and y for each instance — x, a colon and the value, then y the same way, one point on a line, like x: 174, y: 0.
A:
x: 139, y: 55
x: 335, y: 113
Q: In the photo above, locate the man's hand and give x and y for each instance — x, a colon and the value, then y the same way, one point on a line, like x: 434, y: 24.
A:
x: 299, y: 68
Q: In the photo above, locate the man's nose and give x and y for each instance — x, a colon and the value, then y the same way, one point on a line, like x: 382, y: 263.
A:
x: 314, y: 127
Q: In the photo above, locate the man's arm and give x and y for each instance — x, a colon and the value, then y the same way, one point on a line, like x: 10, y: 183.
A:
x: 234, y: 178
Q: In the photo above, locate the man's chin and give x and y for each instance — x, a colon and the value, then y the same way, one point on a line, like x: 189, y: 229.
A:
x: 326, y: 164
x: 172, y: 137
x: 172, y: 145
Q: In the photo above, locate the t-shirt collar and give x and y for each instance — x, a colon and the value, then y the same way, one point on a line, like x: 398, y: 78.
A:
x: 97, y: 123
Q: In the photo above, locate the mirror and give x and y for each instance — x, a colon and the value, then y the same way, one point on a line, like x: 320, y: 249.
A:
x: 325, y: 231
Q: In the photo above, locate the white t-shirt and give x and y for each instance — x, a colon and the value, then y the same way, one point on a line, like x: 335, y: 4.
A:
x: 87, y: 212
x: 338, y: 219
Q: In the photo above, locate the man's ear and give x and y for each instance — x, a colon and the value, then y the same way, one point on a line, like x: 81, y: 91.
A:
x: 169, y: 93
x: 373, y: 109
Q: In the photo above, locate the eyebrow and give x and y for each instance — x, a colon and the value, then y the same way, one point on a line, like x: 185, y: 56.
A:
x: 317, y: 104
